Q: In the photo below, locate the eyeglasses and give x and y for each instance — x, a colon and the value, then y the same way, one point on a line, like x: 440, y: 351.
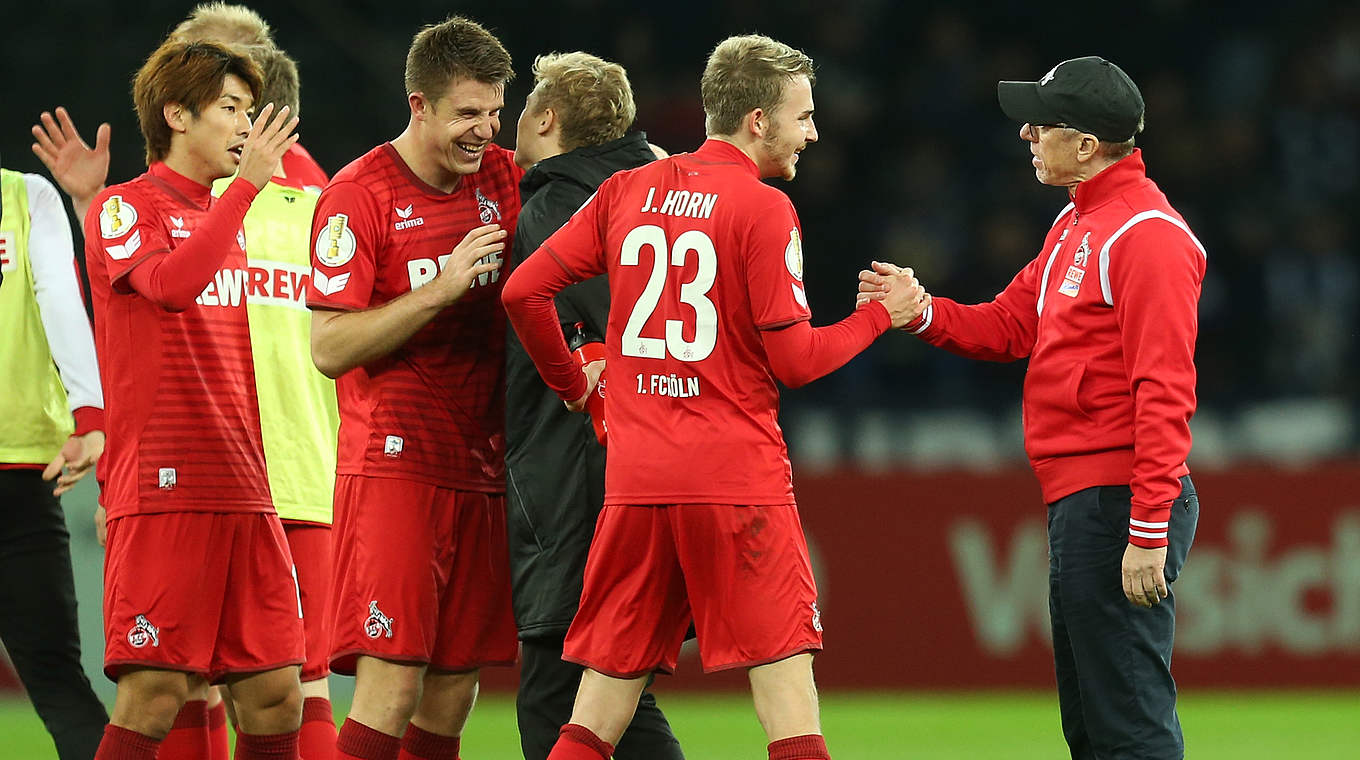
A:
x: 1033, y: 130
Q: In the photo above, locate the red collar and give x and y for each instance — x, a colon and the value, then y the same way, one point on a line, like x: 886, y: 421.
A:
x: 723, y: 152
x: 1114, y: 181
x: 191, y: 191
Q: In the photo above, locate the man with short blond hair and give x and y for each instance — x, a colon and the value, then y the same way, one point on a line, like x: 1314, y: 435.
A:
x: 707, y: 310
x: 407, y: 245
x: 572, y: 135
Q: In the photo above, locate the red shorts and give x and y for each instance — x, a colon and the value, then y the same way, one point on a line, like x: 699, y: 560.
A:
x: 422, y: 575
x: 742, y: 573
x: 310, y: 544
x: 203, y: 592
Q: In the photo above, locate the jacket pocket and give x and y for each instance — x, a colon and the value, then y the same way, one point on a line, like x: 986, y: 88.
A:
x: 1072, y: 391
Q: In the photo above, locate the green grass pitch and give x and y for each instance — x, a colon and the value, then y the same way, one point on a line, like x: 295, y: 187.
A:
x: 1246, y: 725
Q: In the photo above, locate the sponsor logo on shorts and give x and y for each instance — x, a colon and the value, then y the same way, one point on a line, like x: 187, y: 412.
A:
x: 377, y: 624
x: 167, y: 478
x: 143, y: 633
x: 816, y: 618
x: 393, y: 446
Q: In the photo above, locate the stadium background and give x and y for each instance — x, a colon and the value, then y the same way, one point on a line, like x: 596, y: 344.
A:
x: 925, y: 522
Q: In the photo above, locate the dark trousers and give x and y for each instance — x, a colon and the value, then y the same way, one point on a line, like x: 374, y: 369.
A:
x: 38, y: 613
x: 1113, y: 659
x: 547, y: 690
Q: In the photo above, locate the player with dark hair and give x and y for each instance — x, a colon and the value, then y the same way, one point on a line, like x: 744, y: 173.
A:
x: 707, y: 309
x: 405, y: 298
x: 166, y: 266
x: 572, y: 135
x: 1106, y: 315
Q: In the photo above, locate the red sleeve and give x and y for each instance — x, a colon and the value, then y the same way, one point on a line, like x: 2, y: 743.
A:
x: 774, y: 268
x: 175, y: 278
x: 572, y: 254
x: 528, y: 298
x: 88, y: 419
x: 801, y: 353
x: 1001, y: 330
x: 121, y: 231
x: 1154, y: 274
x: 346, y: 237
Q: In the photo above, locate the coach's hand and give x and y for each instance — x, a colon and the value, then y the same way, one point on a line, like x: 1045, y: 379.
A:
x: 78, y: 456
x: 592, y: 371
x: 1144, y: 575
x: 898, y: 289
x: 477, y: 256
x: 265, y: 145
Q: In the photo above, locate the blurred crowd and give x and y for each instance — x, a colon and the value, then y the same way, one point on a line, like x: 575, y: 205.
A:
x: 1253, y: 131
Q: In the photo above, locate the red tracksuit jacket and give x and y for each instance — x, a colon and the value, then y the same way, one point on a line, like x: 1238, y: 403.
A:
x: 1107, y: 316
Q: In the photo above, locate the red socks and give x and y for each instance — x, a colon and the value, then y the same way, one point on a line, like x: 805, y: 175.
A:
x: 188, y: 738
x: 576, y: 742
x: 121, y: 744
x: 219, y: 746
x: 317, y: 738
x: 806, y: 747
x: 267, y: 747
x: 359, y: 742
x: 419, y: 744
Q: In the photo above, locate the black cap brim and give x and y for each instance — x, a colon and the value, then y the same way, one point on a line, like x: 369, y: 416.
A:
x: 1020, y: 101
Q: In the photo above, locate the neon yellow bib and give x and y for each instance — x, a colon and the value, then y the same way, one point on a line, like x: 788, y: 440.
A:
x: 298, y: 413
x: 34, y: 417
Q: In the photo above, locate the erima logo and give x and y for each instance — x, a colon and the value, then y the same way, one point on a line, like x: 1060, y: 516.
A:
x: 406, y: 220
x: 143, y: 633
x: 125, y: 251
x: 328, y: 286
x: 377, y: 624
x: 179, y: 231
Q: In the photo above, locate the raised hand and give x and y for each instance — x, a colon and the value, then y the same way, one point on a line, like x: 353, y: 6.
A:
x: 466, y: 263
x: 268, y: 140
x: 77, y: 457
x: 79, y: 169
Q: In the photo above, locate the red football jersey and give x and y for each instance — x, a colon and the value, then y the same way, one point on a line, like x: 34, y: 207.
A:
x: 301, y: 170
x: 182, y: 417
x: 433, y: 410
x: 701, y: 257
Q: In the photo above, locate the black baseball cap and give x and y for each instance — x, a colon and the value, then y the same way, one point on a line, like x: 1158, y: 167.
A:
x: 1090, y: 94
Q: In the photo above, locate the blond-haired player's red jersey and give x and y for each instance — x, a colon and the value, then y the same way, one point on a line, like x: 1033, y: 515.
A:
x: 432, y: 410
x: 702, y: 256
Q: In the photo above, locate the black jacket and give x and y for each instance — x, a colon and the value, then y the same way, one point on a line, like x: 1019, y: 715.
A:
x: 554, y: 467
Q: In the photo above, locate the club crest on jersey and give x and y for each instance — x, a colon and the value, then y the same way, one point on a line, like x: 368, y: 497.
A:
x: 116, y: 217
x: 487, y: 209
x: 166, y: 478
x: 1071, y: 284
x: 793, y: 255
x: 335, y: 243
x: 406, y: 221
x: 1083, y: 251
x: 393, y: 446
x: 377, y: 624
x: 143, y: 632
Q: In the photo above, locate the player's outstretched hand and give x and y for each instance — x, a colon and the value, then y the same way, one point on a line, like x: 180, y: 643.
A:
x: 1144, y: 572
x: 896, y: 287
x: 78, y: 456
x: 268, y: 140
x: 79, y: 169
x: 592, y: 371
x: 476, y: 256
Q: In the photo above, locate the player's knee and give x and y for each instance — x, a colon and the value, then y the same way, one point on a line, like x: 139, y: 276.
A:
x: 148, y: 701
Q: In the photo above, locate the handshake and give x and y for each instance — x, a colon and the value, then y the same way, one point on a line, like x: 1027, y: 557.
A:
x: 896, y: 288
